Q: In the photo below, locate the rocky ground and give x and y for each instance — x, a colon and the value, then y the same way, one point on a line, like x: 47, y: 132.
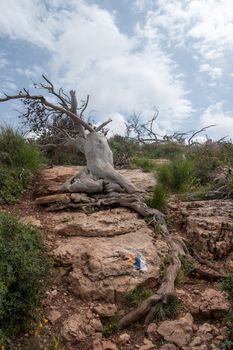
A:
x: 95, y: 256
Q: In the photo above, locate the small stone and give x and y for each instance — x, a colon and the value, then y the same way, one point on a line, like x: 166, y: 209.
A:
x: 124, y: 338
x: 53, y: 316
x: 53, y: 292
x: 168, y: 347
x: 97, y: 345
x: 106, y: 310
x: 219, y: 337
x: 152, y: 328
x: 147, y: 345
x: 224, y: 331
x: 179, y: 331
x: 196, y: 341
x: 108, y: 345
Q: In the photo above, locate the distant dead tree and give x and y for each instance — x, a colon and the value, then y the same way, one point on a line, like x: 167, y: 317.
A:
x: 144, y: 132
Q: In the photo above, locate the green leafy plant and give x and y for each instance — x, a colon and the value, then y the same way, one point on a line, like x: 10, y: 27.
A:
x: 139, y: 294
x: 18, y: 161
x: 24, y: 271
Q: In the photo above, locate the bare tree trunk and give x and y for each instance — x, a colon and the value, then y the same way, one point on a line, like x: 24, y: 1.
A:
x: 99, y: 175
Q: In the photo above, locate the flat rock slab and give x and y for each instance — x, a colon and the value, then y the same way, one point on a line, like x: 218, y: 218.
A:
x: 110, y: 252
x: 106, y: 253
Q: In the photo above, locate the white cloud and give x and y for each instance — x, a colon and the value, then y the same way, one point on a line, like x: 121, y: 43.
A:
x: 213, y: 72
x: 88, y: 52
x: 206, y: 26
x: 117, y: 126
x: 215, y: 114
x: 3, y: 61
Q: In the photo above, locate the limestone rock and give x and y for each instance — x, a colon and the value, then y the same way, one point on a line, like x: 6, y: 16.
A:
x: 107, y: 223
x: 103, y: 267
x: 104, y: 345
x: 109, y: 345
x: 105, y: 310
x: 151, y: 328
x: 124, y: 338
x: 53, y: 316
x: 148, y: 345
x: 81, y: 325
x: 211, y: 304
x: 209, y: 226
x: 168, y: 347
x: 179, y: 331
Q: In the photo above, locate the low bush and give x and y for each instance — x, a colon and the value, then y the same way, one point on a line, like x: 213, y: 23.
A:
x: 24, y: 271
x: 176, y: 176
x: 18, y: 161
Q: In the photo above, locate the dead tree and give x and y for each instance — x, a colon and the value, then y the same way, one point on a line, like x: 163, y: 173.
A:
x: 65, y: 119
x: 144, y: 132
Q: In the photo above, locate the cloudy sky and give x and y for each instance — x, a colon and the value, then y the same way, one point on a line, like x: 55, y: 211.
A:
x: 129, y: 55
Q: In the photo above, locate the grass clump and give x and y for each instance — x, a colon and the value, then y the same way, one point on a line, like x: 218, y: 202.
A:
x: 24, y: 270
x: 112, y: 325
x: 166, y: 311
x: 18, y: 161
x: 139, y: 294
x: 159, y: 199
x: 147, y: 165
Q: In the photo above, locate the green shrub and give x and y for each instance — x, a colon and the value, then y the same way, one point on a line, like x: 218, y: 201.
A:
x: 176, y: 176
x: 159, y: 199
x: 209, y: 156
x: 147, y: 165
x: 17, y: 152
x: 24, y: 270
x: 18, y: 161
x: 139, y: 294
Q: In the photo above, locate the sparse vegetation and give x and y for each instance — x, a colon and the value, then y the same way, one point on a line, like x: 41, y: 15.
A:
x: 137, y: 295
x: 24, y: 270
x: 159, y: 199
x: 112, y: 325
x: 227, y: 287
x: 169, y: 310
x: 147, y: 165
